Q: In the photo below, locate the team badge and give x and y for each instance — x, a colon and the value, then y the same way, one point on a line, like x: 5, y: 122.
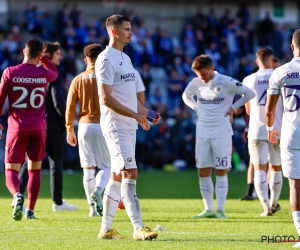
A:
x: 129, y: 159
x: 218, y: 89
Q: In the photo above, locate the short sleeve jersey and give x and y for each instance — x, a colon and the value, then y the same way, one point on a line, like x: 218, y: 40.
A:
x: 114, y: 68
x: 213, y: 101
x: 285, y: 80
x: 26, y: 86
x: 259, y: 82
x: 140, y: 87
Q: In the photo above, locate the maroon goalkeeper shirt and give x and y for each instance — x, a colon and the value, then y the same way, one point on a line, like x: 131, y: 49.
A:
x: 26, y: 85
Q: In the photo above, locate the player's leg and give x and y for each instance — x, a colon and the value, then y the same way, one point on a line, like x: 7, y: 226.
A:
x: 204, y: 163
x: 290, y: 160
x: 258, y: 150
x: 112, y: 193
x: 87, y: 162
x: 23, y: 176
x: 55, y: 149
x: 250, y: 183
x: 222, y: 148
x: 14, y: 155
x: 103, y: 162
x: 275, y: 173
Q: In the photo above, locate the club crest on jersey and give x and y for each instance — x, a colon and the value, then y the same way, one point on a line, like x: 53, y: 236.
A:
x: 129, y: 159
x: 218, y: 89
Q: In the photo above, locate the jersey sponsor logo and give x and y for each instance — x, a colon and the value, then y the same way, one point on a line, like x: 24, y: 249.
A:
x: 239, y: 84
x: 292, y: 75
x: 88, y: 76
x: 128, y: 77
x: 29, y: 80
x: 217, y: 89
x: 263, y: 82
x: 216, y: 100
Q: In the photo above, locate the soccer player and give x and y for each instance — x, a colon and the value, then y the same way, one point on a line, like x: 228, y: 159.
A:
x: 26, y: 86
x: 55, y: 117
x: 214, y: 93
x: 284, y: 81
x: 260, y: 150
x: 93, y: 150
x: 120, y: 113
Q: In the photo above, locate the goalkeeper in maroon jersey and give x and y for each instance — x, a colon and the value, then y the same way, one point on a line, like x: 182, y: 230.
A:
x: 25, y: 86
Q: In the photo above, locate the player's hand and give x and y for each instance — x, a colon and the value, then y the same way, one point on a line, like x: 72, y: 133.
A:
x: 71, y: 139
x: 273, y: 136
x: 142, y: 119
x: 230, y: 113
x: 157, y: 119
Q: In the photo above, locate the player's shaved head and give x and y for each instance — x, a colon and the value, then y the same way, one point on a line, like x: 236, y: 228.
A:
x: 92, y: 51
x: 264, y: 54
x: 33, y: 48
x: 115, y: 21
x: 202, y: 61
x: 296, y: 38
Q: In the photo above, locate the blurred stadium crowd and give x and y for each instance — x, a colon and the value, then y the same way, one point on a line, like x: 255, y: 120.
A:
x: 164, y: 63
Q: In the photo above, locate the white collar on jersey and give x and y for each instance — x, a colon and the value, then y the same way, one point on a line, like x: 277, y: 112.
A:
x: 114, y: 50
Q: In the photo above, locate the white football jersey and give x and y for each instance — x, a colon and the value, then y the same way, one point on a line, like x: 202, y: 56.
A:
x: 114, y: 67
x: 140, y: 87
x: 213, y: 101
x: 285, y: 80
x: 259, y: 82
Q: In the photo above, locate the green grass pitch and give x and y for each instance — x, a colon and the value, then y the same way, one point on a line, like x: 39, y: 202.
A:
x: 170, y: 199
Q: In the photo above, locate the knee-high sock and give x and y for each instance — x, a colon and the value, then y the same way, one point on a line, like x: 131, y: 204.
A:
x: 12, y: 181
x: 207, y: 192
x: 102, y: 179
x: 33, y: 187
x: 275, y: 186
x: 261, y: 187
x: 131, y: 203
x: 221, y: 191
x: 88, y: 183
x: 296, y: 219
x: 111, y: 199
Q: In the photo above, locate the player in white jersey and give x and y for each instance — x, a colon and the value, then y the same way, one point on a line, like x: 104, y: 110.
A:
x: 260, y: 150
x: 214, y: 93
x: 120, y: 113
x: 285, y: 82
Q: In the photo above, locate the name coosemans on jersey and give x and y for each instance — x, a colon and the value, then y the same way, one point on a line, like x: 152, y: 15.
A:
x: 29, y: 80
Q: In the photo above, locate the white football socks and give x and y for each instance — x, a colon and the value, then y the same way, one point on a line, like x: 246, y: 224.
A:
x: 275, y: 186
x: 102, y: 179
x: 88, y: 183
x: 207, y: 192
x: 111, y: 199
x: 132, y: 203
x: 296, y: 219
x: 261, y: 188
x: 221, y: 191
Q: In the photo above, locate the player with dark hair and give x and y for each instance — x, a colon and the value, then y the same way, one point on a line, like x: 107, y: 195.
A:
x: 120, y: 113
x: 93, y: 150
x: 26, y: 87
x: 260, y: 150
x: 284, y: 82
x: 214, y: 93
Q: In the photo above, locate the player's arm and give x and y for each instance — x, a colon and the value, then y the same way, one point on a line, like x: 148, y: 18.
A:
x: 51, y: 72
x: 188, y: 97
x: 141, y: 97
x: 270, y: 117
x: 247, y: 107
x: 109, y: 101
x: 57, y: 96
x: 70, y: 115
x: 3, y: 88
